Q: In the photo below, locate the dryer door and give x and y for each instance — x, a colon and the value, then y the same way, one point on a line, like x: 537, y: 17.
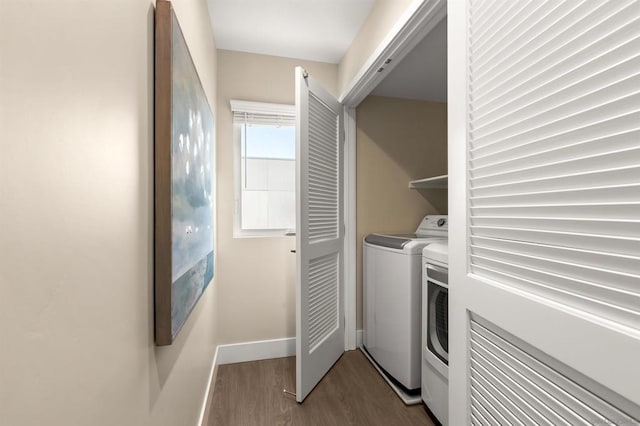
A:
x: 438, y: 312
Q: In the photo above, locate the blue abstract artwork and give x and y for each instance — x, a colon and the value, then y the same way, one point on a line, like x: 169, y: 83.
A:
x: 191, y: 185
x: 184, y: 180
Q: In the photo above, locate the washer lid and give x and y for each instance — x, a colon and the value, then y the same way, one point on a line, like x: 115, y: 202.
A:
x: 396, y: 241
x: 438, y: 251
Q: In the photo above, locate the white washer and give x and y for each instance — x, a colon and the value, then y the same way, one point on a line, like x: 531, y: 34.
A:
x: 392, y: 300
x: 435, y: 329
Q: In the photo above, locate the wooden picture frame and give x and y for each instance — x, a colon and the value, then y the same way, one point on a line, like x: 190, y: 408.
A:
x: 184, y: 180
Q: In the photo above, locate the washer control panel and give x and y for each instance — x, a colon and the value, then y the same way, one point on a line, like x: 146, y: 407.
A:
x: 433, y: 223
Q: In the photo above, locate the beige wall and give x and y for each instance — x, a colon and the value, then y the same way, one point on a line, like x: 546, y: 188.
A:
x: 381, y: 19
x: 398, y: 140
x: 76, y: 219
x: 255, y: 275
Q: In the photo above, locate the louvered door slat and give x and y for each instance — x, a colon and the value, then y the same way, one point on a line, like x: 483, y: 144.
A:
x: 484, y: 12
x: 598, y: 131
x: 617, y: 193
x: 483, y: 406
x: 595, y: 259
x: 616, y: 177
x: 616, y: 26
x: 564, y: 90
x: 528, y: 392
x: 625, y: 211
x: 494, y: 402
x: 480, y: 416
x: 323, y: 171
x: 519, y: 401
x: 569, y: 26
x: 593, y: 242
x: 554, y: 140
x: 565, y: 396
x: 543, y: 390
x: 558, y: 125
x: 495, y: 31
x: 527, y: 31
x: 565, y: 104
x: 535, y: 154
x: 626, y: 228
x: 594, y: 295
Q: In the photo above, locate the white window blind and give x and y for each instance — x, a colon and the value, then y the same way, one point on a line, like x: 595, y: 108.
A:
x: 554, y: 155
x: 263, y: 113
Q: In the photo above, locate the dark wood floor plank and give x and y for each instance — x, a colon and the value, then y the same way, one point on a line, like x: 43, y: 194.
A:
x: 352, y: 393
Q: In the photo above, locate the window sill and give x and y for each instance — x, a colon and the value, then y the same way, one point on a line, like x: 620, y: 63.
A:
x: 270, y: 233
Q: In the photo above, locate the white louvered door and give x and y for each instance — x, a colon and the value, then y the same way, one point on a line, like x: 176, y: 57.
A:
x: 544, y: 175
x: 320, y: 233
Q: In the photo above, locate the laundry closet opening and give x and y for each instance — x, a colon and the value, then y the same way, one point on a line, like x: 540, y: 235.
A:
x: 401, y: 168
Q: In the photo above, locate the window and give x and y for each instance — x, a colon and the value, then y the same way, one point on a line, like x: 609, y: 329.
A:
x: 265, y: 160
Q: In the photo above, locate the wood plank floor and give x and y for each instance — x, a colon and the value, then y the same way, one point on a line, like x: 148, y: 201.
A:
x: 352, y: 393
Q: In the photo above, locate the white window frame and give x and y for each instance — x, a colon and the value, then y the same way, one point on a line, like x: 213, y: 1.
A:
x: 262, y: 108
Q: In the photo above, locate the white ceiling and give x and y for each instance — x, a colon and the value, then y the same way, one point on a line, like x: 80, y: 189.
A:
x: 422, y: 74
x: 318, y: 30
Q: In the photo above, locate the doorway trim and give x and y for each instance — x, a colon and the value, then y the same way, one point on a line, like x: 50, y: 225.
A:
x: 415, y: 23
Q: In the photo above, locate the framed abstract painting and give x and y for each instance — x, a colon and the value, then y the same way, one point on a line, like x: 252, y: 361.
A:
x: 184, y: 180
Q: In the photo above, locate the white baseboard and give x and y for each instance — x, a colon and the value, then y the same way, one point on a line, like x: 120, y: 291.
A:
x: 255, y: 351
x: 209, y: 389
x: 262, y: 349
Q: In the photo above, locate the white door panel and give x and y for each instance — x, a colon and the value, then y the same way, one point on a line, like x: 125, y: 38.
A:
x: 320, y: 233
x: 544, y: 178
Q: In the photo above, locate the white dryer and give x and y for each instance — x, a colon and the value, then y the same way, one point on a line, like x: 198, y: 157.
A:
x: 392, y: 299
x: 435, y: 329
